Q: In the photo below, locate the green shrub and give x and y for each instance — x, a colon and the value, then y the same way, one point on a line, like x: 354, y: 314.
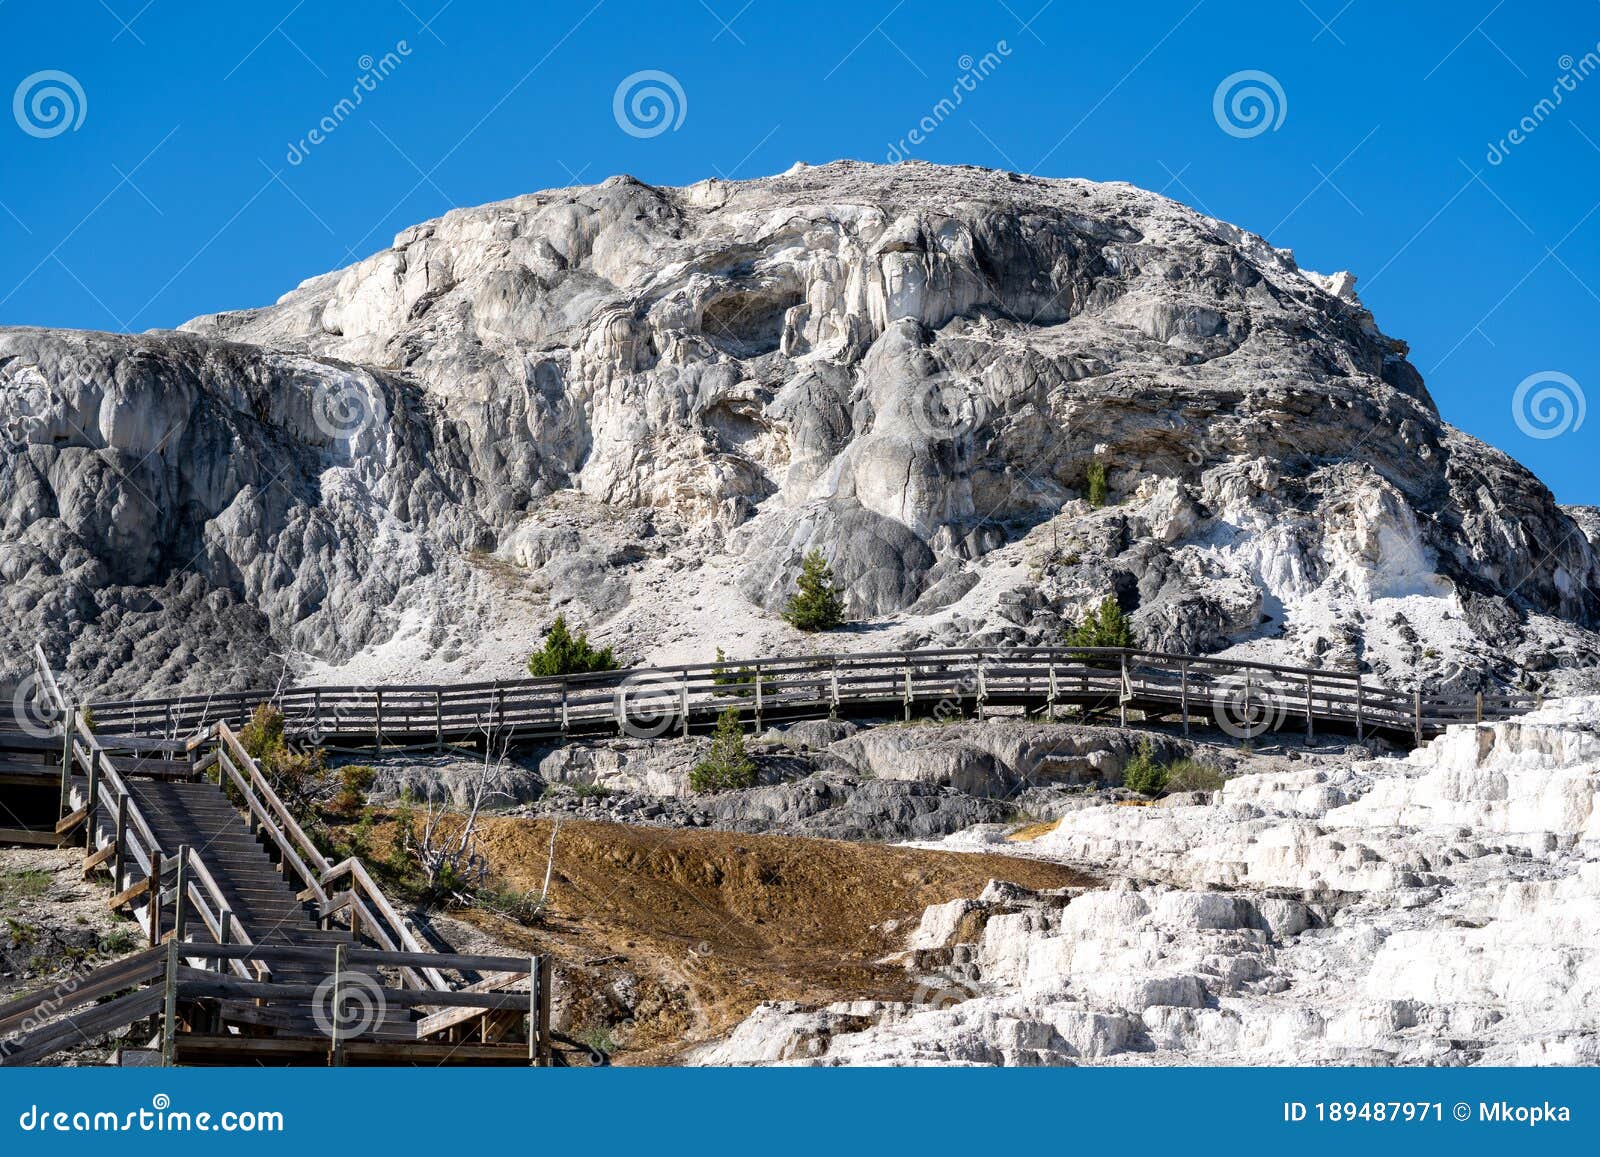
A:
x: 28, y: 884
x: 1192, y: 775
x: 817, y: 604
x: 741, y: 681
x: 728, y: 766
x: 1096, y: 484
x: 118, y: 942
x: 566, y: 654
x: 1105, y: 626
x: 294, y: 772
x: 1143, y: 773
x: 502, y: 899
x: 355, y: 780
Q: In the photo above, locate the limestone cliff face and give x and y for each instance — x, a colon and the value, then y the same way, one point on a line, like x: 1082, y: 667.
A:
x: 912, y: 367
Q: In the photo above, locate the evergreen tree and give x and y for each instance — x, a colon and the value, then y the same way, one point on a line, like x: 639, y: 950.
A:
x: 1105, y: 626
x: 817, y: 604
x: 1144, y: 773
x: 566, y: 654
x: 1097, y: 484
x: 727, y: 766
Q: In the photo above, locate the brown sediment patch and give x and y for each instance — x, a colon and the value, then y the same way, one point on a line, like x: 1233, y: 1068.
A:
x: 709, y: 924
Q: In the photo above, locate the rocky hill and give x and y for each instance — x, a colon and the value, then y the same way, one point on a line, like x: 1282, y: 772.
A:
x: 641, y: 405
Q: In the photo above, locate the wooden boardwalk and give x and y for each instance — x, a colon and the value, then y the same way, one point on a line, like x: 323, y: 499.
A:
x: 261, y: 950
x: 256, y: 937
x: 1246, y: 699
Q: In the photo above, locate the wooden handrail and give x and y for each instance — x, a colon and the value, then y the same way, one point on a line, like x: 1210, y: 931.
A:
x: 368, y: 890
x: 275, y: 818
x: 789, y: 683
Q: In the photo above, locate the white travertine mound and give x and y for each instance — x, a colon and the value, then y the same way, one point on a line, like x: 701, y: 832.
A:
x: 1440, y: 909
x: 641, y: 405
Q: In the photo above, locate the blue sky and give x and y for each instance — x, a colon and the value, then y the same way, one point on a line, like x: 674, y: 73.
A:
x: 182, y: 187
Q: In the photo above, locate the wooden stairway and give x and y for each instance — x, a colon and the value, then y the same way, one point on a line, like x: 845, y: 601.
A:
x: 262, y: 950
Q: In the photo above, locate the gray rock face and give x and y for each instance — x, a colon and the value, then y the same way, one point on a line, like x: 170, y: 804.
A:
x: 607, y: 390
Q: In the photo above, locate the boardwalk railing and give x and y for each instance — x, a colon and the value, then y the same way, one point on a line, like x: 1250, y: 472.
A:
x: 186, y: 983
x: 1245, y: 698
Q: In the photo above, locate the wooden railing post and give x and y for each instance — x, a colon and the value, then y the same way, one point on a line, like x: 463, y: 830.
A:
x: 683, y: 703
x: 438, y: 720
x: 178, y: 917
x: 758, y: 696
x: 546, y: 977
x: 908, y: 695
x: 1310, y: 726
x: 120, y: 844
x: 1183, y: 694
x: 1360, y: 711
x: 169, y: 1018
x: 154, y: 907
x: 336, y: 1046
x: 1122, y: 693
x: 377, y: 718
x: 533, y: 1011
x: 1480, y: 707
x: 1416, y: 714
x: 66, y: 761
x: 92, y: 803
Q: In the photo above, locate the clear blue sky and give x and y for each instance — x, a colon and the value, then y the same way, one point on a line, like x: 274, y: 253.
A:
x: 175, y: 196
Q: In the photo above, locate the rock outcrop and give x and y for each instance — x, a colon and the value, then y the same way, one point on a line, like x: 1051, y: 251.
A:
x: 644, y: 404
x: 1441, y: 909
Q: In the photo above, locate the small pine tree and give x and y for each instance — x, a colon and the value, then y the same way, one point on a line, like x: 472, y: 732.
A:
x: 1143, y: 773
x: 817, y: 604
x: 566, y: 654
x: 727, y: 766
x: 1097, y: 484
x: 1105, y: 626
